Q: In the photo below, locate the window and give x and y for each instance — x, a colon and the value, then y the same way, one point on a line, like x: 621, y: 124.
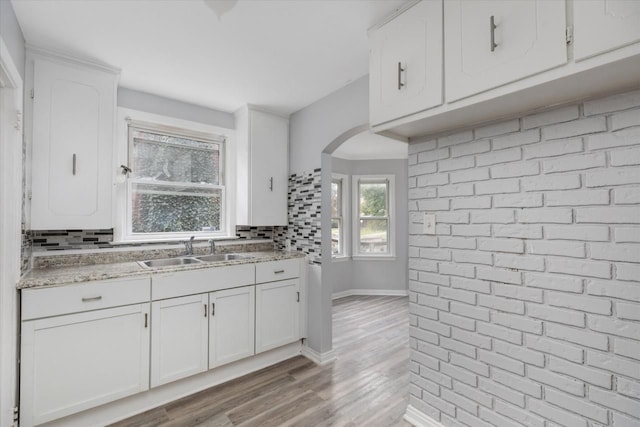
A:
x: 176, y: 188
x: 373, y: 212
x: 339, y: 187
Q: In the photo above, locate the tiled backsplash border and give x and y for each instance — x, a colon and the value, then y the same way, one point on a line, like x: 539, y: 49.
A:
x: 303, y: 231
x: 60, y: 240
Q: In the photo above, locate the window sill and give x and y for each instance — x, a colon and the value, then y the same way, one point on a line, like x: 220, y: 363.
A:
x: 374, y: 258
x: 341, y: 258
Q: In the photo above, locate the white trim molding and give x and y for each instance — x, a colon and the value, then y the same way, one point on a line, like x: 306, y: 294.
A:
x: 318, y: 358
x: 390, y: 180
x: 371, y: 292
x: 419, y: 419
x: 11, y: 140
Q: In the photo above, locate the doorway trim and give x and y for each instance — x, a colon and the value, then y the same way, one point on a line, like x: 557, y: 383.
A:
x: 11, y: 107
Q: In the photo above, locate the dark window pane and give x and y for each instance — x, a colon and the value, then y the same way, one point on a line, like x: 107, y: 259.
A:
x: 336, y: 199
x: 374, y: 236
x: 163, y: 209
x: 336, y: 236
x: 173, y: 159
x: 373, y: 199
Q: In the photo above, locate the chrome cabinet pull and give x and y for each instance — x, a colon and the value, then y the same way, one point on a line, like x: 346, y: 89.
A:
x: 146, y: 320
x: 492, y: 30
x: 271, y: 184
x: 213, y: 309
x: 297, y: 296
x: 74, y: 164
x: 87, y: 299
x: 400, y: 70
x: 278, y: 271
x: 205, y: 310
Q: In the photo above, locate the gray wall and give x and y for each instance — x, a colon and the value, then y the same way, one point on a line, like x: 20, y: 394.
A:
x: 317, y: 125
x: 155, y: 104
x: 525, y: 305
x: 375, y: 274
x: 12, y: 35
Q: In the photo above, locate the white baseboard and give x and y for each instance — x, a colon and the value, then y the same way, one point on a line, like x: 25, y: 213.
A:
x: 419, y: 419
x: 318, y: 358
x: 372, y: 292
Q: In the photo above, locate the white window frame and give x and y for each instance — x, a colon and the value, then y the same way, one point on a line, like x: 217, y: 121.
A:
x: 391, y: 215
x: 346, y: 221
x: 121, y: 193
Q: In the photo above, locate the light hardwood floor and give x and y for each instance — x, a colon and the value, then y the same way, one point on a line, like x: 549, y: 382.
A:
x: 366, y: 386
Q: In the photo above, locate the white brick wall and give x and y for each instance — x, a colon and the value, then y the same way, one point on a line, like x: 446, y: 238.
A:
x: 526, y: 302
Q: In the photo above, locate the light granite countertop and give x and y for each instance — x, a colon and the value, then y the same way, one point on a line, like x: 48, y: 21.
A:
x: 59, y: 276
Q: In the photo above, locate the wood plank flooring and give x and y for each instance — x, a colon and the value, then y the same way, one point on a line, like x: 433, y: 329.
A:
x: 366, y: 386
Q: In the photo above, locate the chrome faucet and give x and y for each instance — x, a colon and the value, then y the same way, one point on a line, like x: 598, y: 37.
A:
x: 212, y: 244
x: 188, y: 246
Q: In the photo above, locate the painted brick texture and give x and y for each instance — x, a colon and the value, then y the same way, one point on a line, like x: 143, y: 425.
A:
x: 527, y: 299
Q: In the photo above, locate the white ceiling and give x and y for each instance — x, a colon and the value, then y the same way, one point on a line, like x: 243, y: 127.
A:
x: 371, y: 146
x: 277, y: 54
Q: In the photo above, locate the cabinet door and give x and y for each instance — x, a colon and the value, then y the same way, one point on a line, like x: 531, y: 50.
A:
x: 604, y: 25
x: 73, y: 120
x: 179, y: 338
x: 277, y: 314
x: 231, y: 325
x: 529, y: 37
x: 75, y: 362
x: 269, y: 136
x: 406, y: 63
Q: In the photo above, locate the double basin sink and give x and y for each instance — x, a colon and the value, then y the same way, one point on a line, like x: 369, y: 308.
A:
x: 189, y: 260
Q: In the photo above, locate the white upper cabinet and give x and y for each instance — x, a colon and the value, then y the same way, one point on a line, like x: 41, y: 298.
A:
x: 489, y: 43
x: 72, y: 133
x: 263, y: 168
x: 604, y: 25
x: 406, y: 63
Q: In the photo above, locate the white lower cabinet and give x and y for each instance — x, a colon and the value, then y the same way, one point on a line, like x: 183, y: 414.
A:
x: 92, y: 343
x: 231, y: 325
x: 78, y: 361
x: 179, y: 335
x: 277, y: 314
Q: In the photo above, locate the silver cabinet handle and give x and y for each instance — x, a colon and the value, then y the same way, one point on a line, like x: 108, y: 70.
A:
x: 271, y: 183
x: 213, y: 309
x: 87, y: 299
x: 278, y: 271
x: 74, y: 164
x: 400, y: 70
x: 205, y: 310
x: 492, y: 30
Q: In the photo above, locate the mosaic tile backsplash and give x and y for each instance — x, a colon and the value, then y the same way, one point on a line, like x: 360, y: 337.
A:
x: 303, y: 231
x: 57, y: 240
x: 304, y: 206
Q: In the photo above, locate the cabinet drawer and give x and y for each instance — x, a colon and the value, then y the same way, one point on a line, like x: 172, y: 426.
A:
x: 84, y: 296
x: 277, y: 270
x: 200, y: 281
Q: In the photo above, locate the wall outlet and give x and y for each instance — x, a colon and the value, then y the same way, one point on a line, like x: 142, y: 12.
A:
x: 429, y: 223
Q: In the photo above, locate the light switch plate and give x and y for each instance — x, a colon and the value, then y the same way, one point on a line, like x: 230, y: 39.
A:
x: 429, y: 223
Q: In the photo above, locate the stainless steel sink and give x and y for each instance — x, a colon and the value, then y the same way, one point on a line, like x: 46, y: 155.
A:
x: 222, y: 257
x: 168, y: 262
